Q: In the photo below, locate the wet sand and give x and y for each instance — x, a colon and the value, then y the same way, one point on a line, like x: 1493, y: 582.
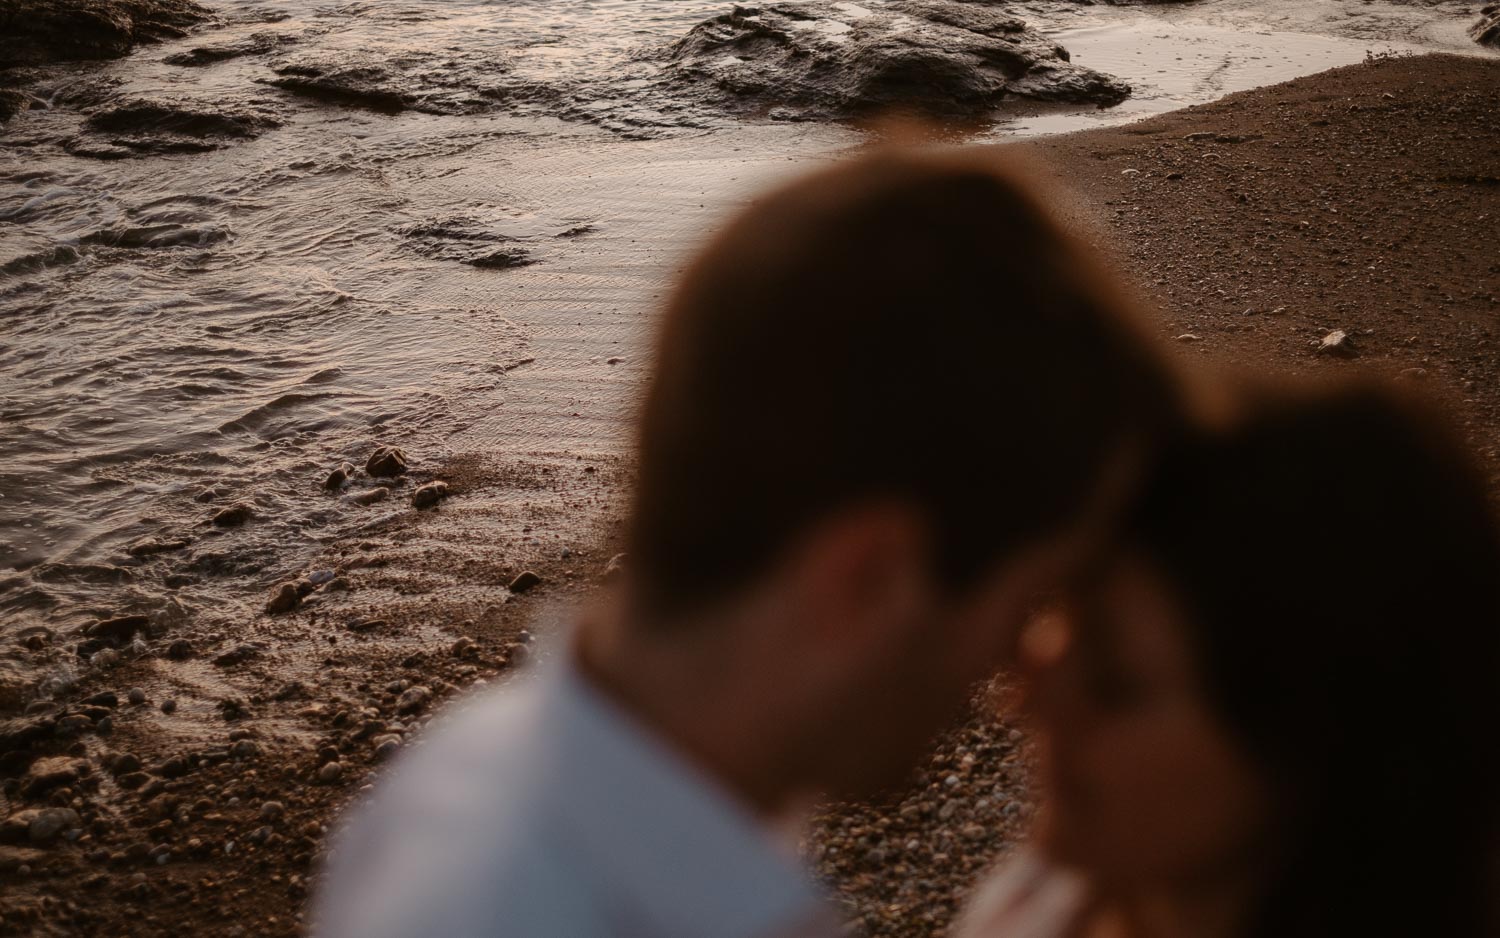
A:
x: 1400, y: 152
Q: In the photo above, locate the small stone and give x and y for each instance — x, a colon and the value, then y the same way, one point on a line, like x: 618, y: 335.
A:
x: 386, y: 462
x: 330, y: 772
x: 429, y: 495
x: 1413, y: 374
x: 49, y: 824
x: 103, y: 699
x: 413, y: 699
x: 284, y: 598
x: 174, y: 767
x: 233, y: 516
x: 386, y: 746
x: 463, y: 648
x: 180, y: 650
x: 119, y: 630
x: 524, y: 581
x: 136, y: 695
x: 239, y: 654
x: 125, y: 763
x: 1189, y: 337
x: 374, y: 495
x: 339, y: 584
x: 1339, y: 343
x: 524, y: 637
x: 169, y: 706
x: 271, y: 810
x: 245, y: 749
x: 338, y: 478
x: 319, y: 577
x: 366, y: 625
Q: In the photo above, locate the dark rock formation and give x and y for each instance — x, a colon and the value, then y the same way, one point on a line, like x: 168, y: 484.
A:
x: 1486, y: 30
x: 256, y: 44
x: 408, y: 81
x: 35, y: 32
x: 820, y: 59
x: 386, y: 462
x: 141, y: 127
x: 466, y: 240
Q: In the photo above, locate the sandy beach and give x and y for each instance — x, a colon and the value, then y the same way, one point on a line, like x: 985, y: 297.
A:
x: 1361, y: 200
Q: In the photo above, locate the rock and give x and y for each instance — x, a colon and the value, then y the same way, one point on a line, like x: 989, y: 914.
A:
x: 339, y: 584
x: 366, y: 625
x: 125, y: 763
x: 173, y: 767
x: 239, y: 654
x: 319, y: 577
x: 824, y: 59
x: 271, y: 810
x: 136, y: 695
x: 501, y: 259
x: 18, y: 733
x: 386, y: 746
x: 180, y: 650
x: 169, y: 706
x: 431, y: 81
x: 103, y: 699
x: 284, y: 598
x: 34, y: 32
x: 428, y: 495
x: 371, y: 497
x: 244, y: 749
x: 1189, y: 337
x: 234, y: 515
x: 255, y: 44
x: 1339, y: 343
x: 150, y: 547
x: 119, y: 630
x: 52, y: 772
x: 1486, y: 29
x: 386, y: 462
x: 12, y: 102
x: 615, y: 568
x: 50, y: 823
x: 338, y: 477
x: 413, y: 699
x: 330, y: 772
x: 463, y: 648
x: 524, y: 581
x: 145, y: 126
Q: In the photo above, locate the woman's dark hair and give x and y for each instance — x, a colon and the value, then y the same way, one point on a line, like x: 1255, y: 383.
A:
x: 912, y: 325
x: 1338, y: 562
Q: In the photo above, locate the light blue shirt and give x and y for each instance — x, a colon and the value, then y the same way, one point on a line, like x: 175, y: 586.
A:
x: 542, y: 809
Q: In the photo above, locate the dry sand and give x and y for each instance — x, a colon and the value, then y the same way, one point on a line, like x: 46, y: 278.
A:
x: 1363, y: 199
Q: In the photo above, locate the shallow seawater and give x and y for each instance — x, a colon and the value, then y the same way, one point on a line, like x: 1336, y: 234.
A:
x: 184, y: 331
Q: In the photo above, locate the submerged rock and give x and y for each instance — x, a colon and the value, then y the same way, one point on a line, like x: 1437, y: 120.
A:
x: 822, y: 59
x: 142, y: 127
x: 34, y: 32
x: 256, y: 44
x: 1486, y: 29
x: 411, y: 80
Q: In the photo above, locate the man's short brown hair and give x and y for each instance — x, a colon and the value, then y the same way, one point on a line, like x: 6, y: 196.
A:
x: 908, y: 325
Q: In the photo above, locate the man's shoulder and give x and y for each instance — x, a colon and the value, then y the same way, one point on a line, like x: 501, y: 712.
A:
x: 463, y: 837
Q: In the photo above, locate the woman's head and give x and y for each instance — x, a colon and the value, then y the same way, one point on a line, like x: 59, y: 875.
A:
x: 1291, y: 666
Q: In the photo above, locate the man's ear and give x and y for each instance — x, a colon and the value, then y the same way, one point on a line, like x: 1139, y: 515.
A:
x: 863, y: 576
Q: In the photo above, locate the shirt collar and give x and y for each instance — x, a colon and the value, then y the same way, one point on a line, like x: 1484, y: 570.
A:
x: 678, y: 855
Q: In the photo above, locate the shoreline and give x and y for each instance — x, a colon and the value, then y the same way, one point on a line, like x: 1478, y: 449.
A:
x: 1202, y: 224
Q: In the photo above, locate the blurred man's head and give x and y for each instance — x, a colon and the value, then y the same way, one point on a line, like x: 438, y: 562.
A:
x: 883, y: 396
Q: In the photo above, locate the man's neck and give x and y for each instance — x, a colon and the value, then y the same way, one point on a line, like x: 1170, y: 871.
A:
x: 688, y: 692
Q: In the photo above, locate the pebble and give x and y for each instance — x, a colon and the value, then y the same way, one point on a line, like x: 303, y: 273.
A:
x: 319, y: 577
x: 233, y: 516
x: 413, y: 699
x: 1338, y: 342
x: 271, y: 810
x: 338, y: 478
x: 136, y: 695
x: 615, y: 567
x: 245, y: 749
x: 49, y: 823
x: 524, y: 581
x: 330, y: 772
x: 428, y: 495
x: 180, y: 650
x: 284, y: 598
x: 370, y: 497
x: 103, y: 699
x: 119, y: 629
x: 386, y: 462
